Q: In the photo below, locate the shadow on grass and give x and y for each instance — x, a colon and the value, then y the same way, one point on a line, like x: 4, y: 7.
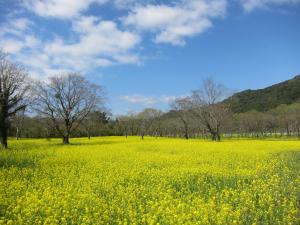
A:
x: 289, y: 159
x: 20, y: 159
x: 286, y: 165
x: 89, y: 143
x: 20, y: 163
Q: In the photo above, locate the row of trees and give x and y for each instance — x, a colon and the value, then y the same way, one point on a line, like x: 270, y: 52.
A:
x: 97, y: 123
x: 281, y: 121
x: 215, y: 123
x: 202, y: 109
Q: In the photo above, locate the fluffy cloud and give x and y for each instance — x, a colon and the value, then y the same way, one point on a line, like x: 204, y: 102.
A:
x: 65, y: 9
x: 173, y: 23
x: 15, y: 26
x: 13, y: 38
x: 11, y: 46
x: 98, y: 43
x: 147, y: 100
x: 139, y: 99
x: 60, y: 8
x: 124, y: 3
x: 250, y: 5
x: 95, y: 42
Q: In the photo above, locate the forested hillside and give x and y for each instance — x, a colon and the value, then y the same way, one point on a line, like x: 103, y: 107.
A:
x: 286, y: 92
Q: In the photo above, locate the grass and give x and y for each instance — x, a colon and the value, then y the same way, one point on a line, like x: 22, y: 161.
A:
x: 114, y: 180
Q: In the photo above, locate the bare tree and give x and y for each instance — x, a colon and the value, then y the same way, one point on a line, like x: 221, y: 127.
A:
x: 67, y: 99
x: 18, y: 122
x: 295, y: 114
x: 13, y: 89
x: 129, y: 123
x: 147, y: 118
x: 125, y: 125
x: 95, y: 120
x: 285, y: 119
x: 182, y: 107
x: 208, y: 108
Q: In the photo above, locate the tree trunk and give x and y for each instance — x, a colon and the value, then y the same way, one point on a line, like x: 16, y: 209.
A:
x: 298, y: 130
x: 3, y: 134
x: 66, y: 139
x: 3, y: 126
x: 89, y: 135
x: 186, y: 130
x: 218, y: 133
x: 215, y: 136
x: 67, y: 132
x: 287, y: 130
x: 18, y: 134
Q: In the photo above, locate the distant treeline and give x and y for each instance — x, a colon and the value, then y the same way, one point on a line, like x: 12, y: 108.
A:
x: 96, y: 124
x: 281, y: 121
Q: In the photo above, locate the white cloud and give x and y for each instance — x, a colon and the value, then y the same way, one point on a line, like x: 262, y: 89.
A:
x: 20, y: 24
x: 124, y: 3
x: 98, y: 44
x: 139, y: 99
x: 167, y: 99
x: 60, y: 8
x: 65, y: 9
x: 104, y: 36
x: 129, y: 4
x: 11, y: 46
x: 15, y: 26
x: 250, y: 5
x: 147, y: 100
x: 13, y: 37
x: 173, y: 23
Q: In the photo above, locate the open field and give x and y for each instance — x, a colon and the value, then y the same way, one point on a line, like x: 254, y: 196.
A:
x: 114, y: 180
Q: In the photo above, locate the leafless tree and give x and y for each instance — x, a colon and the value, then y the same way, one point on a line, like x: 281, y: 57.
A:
x: 295, y: 114
x: 123, y: 125
x: 207, y: 107
x: 182, y: 107
x: 13, y: 89
x: 67, y: 99
x: 146, y: 119
x: 95, y: 120
x: 128, y: 124
x: 18, y: 122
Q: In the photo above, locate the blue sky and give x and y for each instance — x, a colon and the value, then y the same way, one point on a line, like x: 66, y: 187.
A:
x: 148, y: 52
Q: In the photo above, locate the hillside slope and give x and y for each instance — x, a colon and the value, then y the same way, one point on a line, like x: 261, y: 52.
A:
x: 286, y: 92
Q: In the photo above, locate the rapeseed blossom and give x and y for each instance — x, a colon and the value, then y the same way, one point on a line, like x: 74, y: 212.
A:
x: 114, y: 180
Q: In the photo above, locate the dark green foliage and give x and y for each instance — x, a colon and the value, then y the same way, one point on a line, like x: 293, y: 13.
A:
x: 262, y: 100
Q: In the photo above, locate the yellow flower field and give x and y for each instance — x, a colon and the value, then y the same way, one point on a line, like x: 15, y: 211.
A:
x: 114, y: 180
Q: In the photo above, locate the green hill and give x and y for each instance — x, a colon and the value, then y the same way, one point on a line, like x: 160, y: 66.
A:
x: 286, y: 92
